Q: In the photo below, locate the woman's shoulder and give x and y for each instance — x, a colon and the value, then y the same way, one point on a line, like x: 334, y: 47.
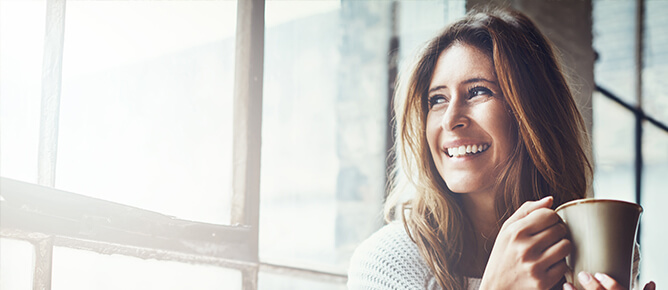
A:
x: 389, y: 259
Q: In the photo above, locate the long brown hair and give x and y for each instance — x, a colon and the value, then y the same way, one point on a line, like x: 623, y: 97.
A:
x: 550, y: 155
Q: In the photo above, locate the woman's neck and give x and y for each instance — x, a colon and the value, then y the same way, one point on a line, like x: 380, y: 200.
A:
x: 481, y: 212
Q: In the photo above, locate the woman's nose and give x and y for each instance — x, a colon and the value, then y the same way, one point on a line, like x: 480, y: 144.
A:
x: 455, y: 116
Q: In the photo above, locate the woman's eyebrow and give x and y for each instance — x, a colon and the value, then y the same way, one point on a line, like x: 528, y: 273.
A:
x: 469, y: 81
x: 476, y: 80
x: 437, y: 88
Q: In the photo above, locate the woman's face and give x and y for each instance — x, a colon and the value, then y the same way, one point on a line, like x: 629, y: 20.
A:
x: 469, y: 128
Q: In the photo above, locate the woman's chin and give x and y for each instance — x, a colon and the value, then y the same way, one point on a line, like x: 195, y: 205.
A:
x: 466, y: 187
x: 460, y: 189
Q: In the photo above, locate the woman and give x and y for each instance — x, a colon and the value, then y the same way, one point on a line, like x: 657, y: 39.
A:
x: 490, y: 141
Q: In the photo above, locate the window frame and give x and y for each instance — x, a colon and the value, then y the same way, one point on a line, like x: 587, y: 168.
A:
x: 47, y: 217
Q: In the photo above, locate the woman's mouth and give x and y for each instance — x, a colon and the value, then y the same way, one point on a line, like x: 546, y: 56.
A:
x: 467, y: 150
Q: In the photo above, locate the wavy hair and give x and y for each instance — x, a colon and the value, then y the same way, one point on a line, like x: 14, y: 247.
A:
x: 550, y: 155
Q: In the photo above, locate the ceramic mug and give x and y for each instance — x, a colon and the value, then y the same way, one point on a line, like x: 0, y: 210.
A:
x: 603, y: 233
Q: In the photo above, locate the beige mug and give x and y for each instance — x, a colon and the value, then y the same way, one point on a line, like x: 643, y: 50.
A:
x: 603, y: 233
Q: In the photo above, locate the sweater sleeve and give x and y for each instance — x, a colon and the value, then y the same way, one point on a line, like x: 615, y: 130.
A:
x: 389, y: 260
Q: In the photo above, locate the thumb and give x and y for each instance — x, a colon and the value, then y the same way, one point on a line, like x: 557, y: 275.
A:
x: 530, y: 206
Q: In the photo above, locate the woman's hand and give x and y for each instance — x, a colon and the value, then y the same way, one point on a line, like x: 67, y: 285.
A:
x: 529, y: 251
x: 600, y: 281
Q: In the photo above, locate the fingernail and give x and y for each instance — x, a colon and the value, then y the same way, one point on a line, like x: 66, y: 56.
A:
x: 567, y: 286
x: 584, y: 277
x: 600, y: 277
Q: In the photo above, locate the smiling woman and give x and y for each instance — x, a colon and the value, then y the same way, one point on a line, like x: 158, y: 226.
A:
x: 490, y: 141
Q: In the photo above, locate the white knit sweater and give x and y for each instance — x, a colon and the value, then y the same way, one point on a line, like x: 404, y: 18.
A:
x: 389, y: 259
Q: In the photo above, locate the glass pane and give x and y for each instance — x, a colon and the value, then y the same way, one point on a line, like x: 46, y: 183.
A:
x: 17, y: 261
x: 271, y: 281
x: 146, y: 107
x: 614, y: 36
x: 325, y: 96
x: 421, y: 20
x: 614, y: 150
x: 76, y: 269
x: 22, y: 26
x: 324, y: 125
x: 655, y: 71
x: 299, y: 158
x: 654, y: 236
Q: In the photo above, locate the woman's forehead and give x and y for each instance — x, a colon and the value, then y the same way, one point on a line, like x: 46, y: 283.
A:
x: 461, y: 63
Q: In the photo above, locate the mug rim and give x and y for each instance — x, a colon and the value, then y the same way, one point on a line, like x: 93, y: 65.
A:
x: 596, y: 200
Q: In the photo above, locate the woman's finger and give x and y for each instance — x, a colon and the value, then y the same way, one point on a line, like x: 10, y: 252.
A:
x: 556, y: 272
x: 556, y: 253
x: 589, y: 282
x: 528, y: 207
x: 548, y: 237
x: 608, y: 282
x: 539, y: 220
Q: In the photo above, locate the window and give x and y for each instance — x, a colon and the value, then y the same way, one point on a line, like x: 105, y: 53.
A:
x: 122, y: 112
x: 145, y: 112
x: 630, y: 115
x: 21, y: 52
x: 126, y: 148
x: 16, y: 265
x: 328, y: 66
x: 100, y: 271
x: 147, y: 101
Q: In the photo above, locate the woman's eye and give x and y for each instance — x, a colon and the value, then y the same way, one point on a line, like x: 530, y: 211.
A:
x: 437, y: 99
x: 479, y: 91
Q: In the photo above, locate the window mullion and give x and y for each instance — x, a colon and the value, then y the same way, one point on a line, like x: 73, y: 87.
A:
x: 248, y: 112
x: 51, y: 85
x: 248, y: 83
x: 43, y: 264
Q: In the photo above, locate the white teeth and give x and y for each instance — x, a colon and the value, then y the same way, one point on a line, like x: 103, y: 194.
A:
x: 462, y: 150
x: 467, y: 149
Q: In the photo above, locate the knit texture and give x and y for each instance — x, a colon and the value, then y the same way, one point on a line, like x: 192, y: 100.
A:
x: 389, y: 259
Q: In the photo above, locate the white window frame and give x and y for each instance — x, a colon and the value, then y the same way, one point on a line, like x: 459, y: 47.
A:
x: 47, y: 217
